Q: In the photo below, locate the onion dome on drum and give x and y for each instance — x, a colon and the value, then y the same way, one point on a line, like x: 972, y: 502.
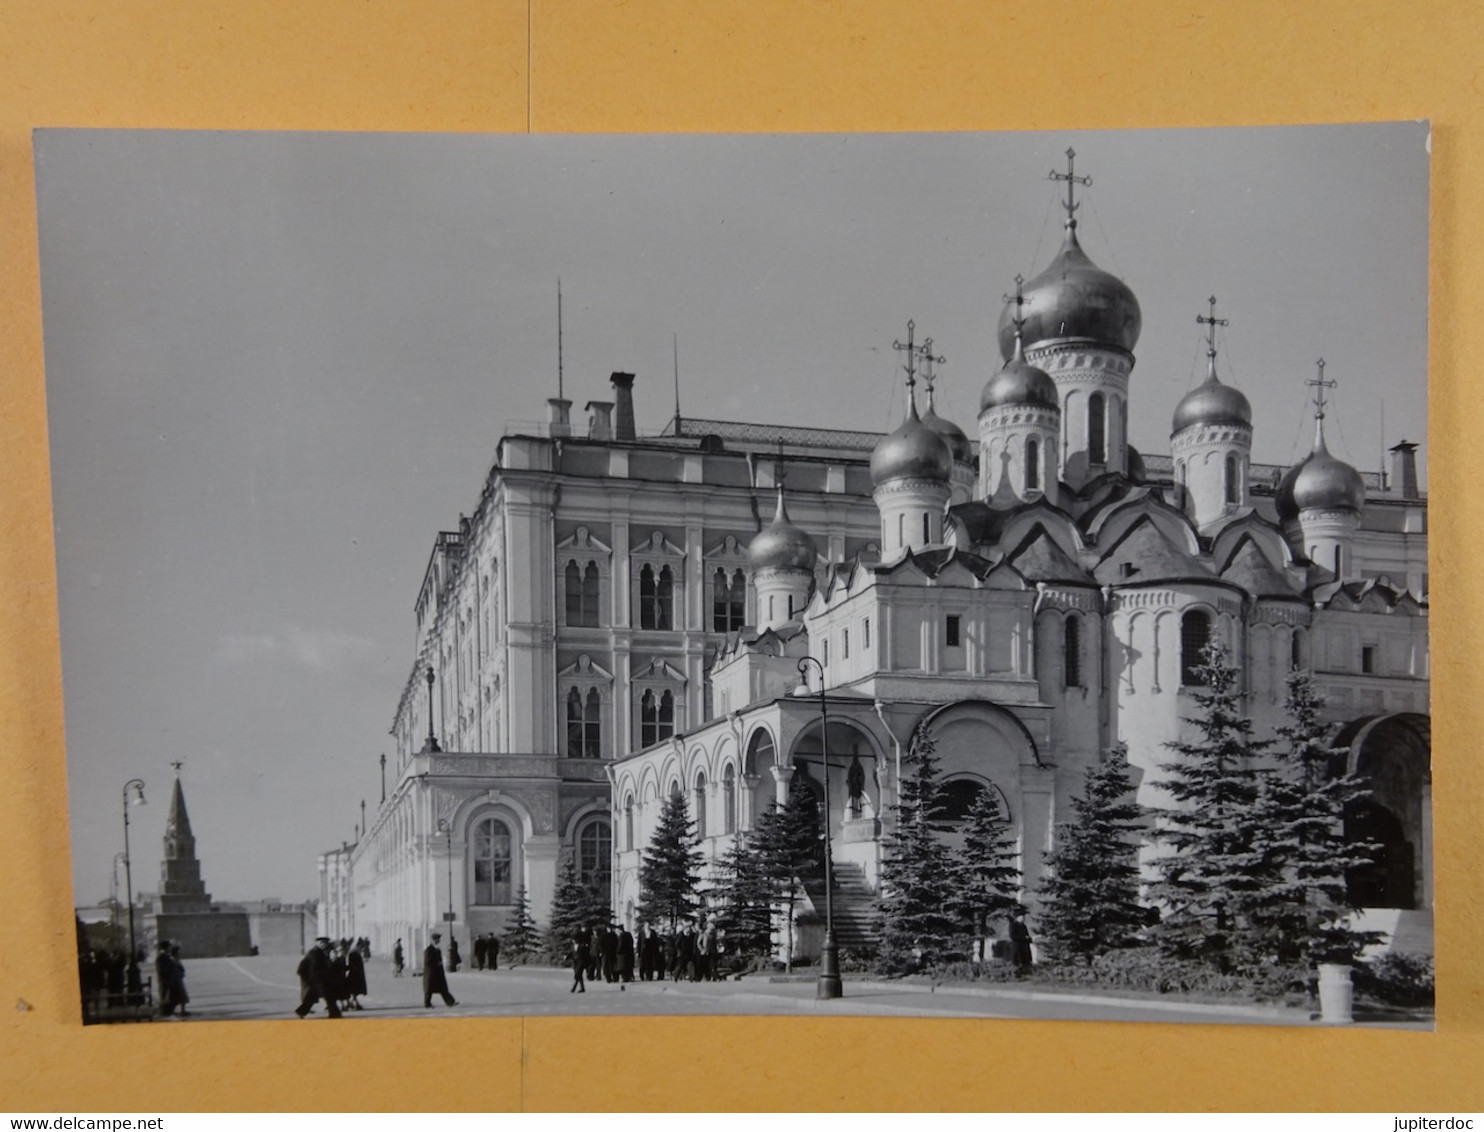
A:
x: 913, y: 451
x: 1211, y: 403
x: 1320, y: 483
x: 957, y: 441
x: 1019, y: 383
x: 781, y: 545
x: 1074, y: 299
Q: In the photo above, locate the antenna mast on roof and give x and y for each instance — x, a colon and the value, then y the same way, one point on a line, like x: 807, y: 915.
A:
x: 675, y: 350
x: 560, y: 395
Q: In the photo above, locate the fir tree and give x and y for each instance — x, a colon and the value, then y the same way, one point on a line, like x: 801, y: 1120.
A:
x: 575, y: 905
x: 1215, y: 872
x: 986, y: 876
x: 788, y: 840
x: 1303, y: 916
x: 744, y: 899
x: 1090, y: 895
x: 522, y: 937
x: 916, y: 894
x: 670, y: 870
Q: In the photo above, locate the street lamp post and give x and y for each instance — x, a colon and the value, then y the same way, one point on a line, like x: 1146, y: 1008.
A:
x: 432, y: 739
x: 137, y: 786
x: 447, y: 830
x: 829, y: 958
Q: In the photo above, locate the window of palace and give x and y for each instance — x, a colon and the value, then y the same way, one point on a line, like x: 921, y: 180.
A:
x: 1368, y: 659
x: 494, y: 861
x: 844, y: 644
x: 656, y: 716
x: 595, y: 854
x: 1233, y: 492
x: 582, y: 568
x: 1195, y: 635
x: 628, y: 823
x: 584, y: 724
x: 657, y: 573
x: 1072, y: 651
x: 656, y: 597
x: 1032, y: 464
x: 952, y: 631
x: 728, y: 600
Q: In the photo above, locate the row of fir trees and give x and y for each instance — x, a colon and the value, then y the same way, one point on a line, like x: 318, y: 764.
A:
x: 1246, y: 871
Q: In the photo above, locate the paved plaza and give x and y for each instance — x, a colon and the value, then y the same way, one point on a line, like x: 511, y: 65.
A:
x: 267, y: 987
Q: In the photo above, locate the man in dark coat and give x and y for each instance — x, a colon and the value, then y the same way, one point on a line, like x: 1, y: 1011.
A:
x: 579, y: 961
x: 399, y: 961
x: 610, y: 955
x: 315, y: 979
x: 165, y: 979
x: 625, y: 956
x: 492, y: 952
x: 434, y: 980
x: 454, y: 959
x: 1020, y: 944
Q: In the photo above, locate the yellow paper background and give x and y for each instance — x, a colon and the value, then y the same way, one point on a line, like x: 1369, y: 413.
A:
x: 750, y: 65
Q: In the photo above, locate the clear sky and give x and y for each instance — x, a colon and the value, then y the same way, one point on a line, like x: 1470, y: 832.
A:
x: 278, y: 364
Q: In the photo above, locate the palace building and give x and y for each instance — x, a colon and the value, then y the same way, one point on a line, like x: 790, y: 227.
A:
x: 621, y: 619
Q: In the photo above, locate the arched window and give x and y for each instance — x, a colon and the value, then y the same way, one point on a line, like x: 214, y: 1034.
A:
x: 1097, y: 442
x: 1296, y: 657
x: 729, y: 800
x: 901, y: 528
x: 667, y: 714
x: 656, y: 717
x: 664, y: 599
x: 592, y: 730
x: 1233, y: 494
x: 1032, y: 464
x: 590, y: 586
x: 1195, y: 635
x: 926, y: 533
x: 628, y: 823
x: 646, y: 597
x: 576, y: 737
x: 700, y: 804
x: 728, y: 600
x: 493, y: 862
x: 595, y: 854
x: 1072, y: 651
x: 574, y: 594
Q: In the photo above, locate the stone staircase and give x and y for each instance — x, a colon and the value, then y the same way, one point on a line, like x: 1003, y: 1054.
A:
x: 855, y: 914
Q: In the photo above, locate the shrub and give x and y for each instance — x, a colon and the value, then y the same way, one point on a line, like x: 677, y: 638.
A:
x: 1397, y: 980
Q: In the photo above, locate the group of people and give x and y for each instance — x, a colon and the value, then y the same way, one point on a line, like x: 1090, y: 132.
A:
x: 109, y: 977
x: 335, y: 974
x: 611, y: 954
x: 486, y: 952
x: 170, y: 980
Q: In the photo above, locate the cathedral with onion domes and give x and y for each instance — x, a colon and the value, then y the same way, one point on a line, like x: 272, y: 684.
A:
x: 624, y: 619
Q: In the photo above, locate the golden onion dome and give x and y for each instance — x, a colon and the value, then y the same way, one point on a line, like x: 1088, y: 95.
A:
x: 1019, y: 383
x: 781, y: 545
x: 1320, y: 482
x: 913, y: 451
x: 955, y: 437
x: 1074, y: 299
x: 1211, y: 403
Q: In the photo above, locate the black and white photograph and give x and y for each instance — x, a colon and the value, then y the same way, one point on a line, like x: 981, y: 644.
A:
x: 942, y: 575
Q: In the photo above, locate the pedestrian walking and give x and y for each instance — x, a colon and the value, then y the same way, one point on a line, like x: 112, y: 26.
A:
x: 165, y: 978
x: 315, y: 979
x: 399, y: 961
x: 579, y: 963
x: 625, y: 956
x: 434, y: 979
x: 492, y: 952
x: 355, y: 978
x: 453, y: 953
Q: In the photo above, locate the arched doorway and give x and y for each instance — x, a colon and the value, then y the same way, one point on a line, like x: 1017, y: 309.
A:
x: 1389, y: 881
x: 1392, y: 755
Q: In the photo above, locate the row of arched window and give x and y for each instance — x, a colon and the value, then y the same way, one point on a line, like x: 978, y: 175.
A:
x: 585, y: 721
x: 493, y: 849
x: 1231, y: 478
x: 583, y: 588
x: 699, y: 808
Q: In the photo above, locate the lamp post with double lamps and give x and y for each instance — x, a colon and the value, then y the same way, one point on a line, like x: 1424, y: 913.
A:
x: 829, y: 958
x: 137, y: 786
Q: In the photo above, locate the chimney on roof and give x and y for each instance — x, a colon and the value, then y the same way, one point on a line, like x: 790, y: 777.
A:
x: 558, y: 416
x: 600, y: 420
x: 1404, y: 470
x: 623, y: 399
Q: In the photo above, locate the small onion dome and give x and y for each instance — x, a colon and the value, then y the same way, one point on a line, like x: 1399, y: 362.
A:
x: 913, y: 451
x: 1074, y: 298
x: 1211, y: 403
x: 1019, y: 383
x: 1320, y: 483
x: 955, y: 437
x: 781, y: 545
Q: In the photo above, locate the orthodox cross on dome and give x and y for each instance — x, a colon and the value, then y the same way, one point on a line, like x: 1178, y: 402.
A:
x: 1213, y: 322
x: 928, y: 362
x: 910, y: 349
x: 177, y: 764
x: 1072, y: 180
x: 1320, y: 385
x: 1019, y: 301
